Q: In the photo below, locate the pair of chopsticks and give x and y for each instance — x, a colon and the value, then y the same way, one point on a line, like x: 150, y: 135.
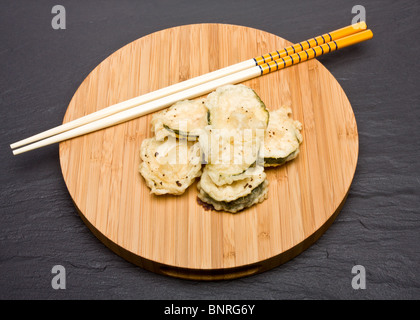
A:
x: 195, y: 87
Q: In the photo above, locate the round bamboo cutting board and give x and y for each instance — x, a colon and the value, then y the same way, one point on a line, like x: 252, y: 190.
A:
x: 174, y: 235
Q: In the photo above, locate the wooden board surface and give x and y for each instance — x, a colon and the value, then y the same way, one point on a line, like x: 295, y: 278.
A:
x: 174, y: 235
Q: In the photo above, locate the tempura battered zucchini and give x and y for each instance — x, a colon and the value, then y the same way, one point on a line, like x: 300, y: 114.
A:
x: 274, y: 162
x: 233, y: 191
x: 221, y: 175
x: 233, y: 134
x: 236, y: 106
x: 230, y: 154
x: 169, y: 166
x: 185, y: 119
x: 282, y: 138
x: 257, y: 195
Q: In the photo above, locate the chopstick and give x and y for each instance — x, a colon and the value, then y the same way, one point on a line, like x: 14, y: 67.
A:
x: 184, y: 85
x: 202, y: 89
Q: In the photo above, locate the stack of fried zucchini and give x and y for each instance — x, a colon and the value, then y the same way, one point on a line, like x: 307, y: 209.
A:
x: 232, y: 134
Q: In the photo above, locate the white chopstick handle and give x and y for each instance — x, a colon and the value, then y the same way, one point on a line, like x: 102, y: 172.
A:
x: 146, y: 108
x: 119, y: 107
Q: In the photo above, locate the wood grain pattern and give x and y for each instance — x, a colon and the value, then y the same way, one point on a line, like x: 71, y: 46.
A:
x: 174, y: 235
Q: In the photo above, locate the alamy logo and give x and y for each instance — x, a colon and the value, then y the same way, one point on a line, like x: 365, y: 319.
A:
x: 59, y: 20
x: 59, y: 280
x: 359, y: 280
x: 360, y: 14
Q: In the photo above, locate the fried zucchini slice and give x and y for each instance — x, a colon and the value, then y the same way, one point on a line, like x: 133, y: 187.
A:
x: 230, y: 153
x: 275, y: 162
x: 185, y: 119
x: 220, y: 174
x: 257, y: 195
x: 169, y: 166
x: 236, y: 106
x: 233, y: 191
x: 282, y: 138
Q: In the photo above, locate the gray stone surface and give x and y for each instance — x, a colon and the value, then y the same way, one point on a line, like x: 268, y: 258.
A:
x: 41, y: 68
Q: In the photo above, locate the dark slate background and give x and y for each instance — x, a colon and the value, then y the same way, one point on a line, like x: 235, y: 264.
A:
x: 378, y: 228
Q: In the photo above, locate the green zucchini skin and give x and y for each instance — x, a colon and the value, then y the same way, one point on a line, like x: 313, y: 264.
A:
x: 242, y: 202
x: 182, y: 134
x: 264, y: 106
x: 192, y: 113
x: 208, y: 117
x: 274, y: 162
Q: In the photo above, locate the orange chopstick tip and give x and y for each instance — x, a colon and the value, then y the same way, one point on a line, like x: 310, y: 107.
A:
x: 368, y: 34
